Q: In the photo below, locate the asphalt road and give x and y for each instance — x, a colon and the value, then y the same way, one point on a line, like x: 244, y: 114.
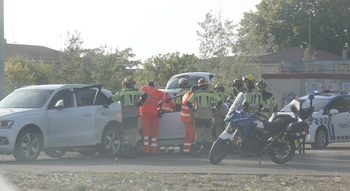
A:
x: 334, y: 160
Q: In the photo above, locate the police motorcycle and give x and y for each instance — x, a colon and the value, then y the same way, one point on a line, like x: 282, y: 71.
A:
x: 250, y: 132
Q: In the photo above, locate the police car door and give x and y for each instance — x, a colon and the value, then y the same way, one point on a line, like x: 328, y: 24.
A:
x: 341, y: 120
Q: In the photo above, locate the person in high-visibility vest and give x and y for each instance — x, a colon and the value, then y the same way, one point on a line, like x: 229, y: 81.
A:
x: 130, y: 99
x: 220, y: 113
x: 204, y: 115
x: 149, y: 117
x: 187, y: 117
x: 253, y: 97
x: 269, y: 101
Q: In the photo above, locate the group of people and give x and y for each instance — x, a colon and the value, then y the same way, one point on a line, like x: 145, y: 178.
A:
x: 202, y: 111
x: 139, y: 104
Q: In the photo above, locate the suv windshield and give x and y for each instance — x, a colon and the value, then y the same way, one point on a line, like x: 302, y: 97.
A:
x: 174, y: 82
x: 28, y: 98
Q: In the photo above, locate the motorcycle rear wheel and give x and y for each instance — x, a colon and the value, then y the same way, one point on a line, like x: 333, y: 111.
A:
x: 283, y: 152
x: 218, y: 151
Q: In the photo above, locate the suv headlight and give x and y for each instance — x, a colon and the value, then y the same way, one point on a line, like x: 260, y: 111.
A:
x: 6, y: 124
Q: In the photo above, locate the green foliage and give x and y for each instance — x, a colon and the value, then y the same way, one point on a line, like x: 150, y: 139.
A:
x: 216, y: 39
x: 21, y: 71
x: 94, y: 66
x: 77, y: 65
x: 281, y: 24
x: 160, y: 68
x: 17, y: 75
x: 217, y: 43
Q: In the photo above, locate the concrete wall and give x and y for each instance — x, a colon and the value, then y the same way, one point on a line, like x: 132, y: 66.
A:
x: 286, y: 87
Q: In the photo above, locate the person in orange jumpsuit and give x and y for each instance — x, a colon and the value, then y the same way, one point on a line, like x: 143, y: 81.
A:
x: 188, y: 120
x: 149, y: 116
x: 167, y: 106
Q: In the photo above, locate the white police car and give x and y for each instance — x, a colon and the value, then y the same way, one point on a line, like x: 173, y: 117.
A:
x: 330, y: 121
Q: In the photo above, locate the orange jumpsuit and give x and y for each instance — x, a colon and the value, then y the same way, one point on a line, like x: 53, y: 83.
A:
x: 168, y: 107
x: 186, y: 117
x: 149, y: 117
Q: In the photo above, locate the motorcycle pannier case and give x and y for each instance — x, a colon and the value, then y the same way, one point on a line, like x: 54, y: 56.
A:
x: 297, y: 130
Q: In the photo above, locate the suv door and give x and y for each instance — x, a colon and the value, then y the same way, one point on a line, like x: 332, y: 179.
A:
x: 74, y: 125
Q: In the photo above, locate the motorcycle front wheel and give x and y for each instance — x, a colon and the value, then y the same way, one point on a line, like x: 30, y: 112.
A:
x: 282, y: 152
x: 218, y: 151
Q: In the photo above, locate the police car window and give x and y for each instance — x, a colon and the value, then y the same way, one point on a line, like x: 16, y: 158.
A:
x: 341, y: 104
x: 317, y: 103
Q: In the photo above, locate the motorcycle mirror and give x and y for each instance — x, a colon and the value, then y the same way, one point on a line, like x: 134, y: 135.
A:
x: 311, y: 96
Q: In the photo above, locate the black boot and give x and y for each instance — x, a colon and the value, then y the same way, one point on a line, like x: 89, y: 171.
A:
x: 197, y: 149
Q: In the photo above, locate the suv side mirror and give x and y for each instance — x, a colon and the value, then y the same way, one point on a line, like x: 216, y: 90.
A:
x: 59, y: 104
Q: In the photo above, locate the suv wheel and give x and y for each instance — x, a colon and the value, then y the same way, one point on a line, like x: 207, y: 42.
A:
x: 111, y: 142
x: 27, y: 147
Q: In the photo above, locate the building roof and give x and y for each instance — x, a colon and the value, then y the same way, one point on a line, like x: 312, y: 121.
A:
x: 32, y: 52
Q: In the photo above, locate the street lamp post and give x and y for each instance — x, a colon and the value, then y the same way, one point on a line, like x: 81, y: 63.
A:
x: 309, y: 13
x: 2, y: 65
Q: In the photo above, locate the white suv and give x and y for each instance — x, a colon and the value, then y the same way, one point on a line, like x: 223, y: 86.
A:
x: 59, y: 118
x: 330, y: 120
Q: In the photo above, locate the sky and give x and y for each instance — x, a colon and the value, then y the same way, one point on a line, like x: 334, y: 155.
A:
x: 148, y: 27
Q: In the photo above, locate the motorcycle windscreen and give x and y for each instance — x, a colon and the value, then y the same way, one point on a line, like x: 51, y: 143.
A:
x: 237, y: 104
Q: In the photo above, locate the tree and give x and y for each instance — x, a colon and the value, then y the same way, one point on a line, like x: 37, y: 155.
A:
x: 281, y: 24
x: 160, y: 68
x: 17, y: 75
x: 216, y: 39
x: 94, y: 66
x: 21, y: 71
x: 217, y: 53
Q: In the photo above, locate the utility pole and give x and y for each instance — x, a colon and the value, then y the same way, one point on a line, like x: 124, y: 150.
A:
x: 309, y: 13
x: 2, y: 64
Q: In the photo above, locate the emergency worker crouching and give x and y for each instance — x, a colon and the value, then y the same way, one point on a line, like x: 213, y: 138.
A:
x: 220, y: 113
x: 269, y: 101
x: 203, y: 117
x: 131, y: 99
